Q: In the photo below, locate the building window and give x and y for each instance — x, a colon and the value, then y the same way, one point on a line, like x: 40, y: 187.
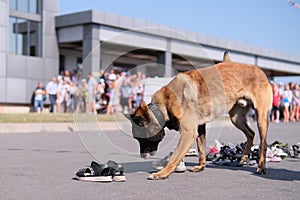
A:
x: 29, y: 6
x: 13, y: 4
x: 62, y: 61
x: 25, y: 37
x: 34, y: 7
x: 79, y: 62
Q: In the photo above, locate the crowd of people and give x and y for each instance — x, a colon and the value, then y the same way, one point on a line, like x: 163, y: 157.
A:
x: 103, y: 92
x: 111, y: 92
x: 286, y: 102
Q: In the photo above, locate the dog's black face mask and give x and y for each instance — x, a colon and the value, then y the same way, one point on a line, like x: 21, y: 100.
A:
x: 148, y: 128
x: 148, y: 145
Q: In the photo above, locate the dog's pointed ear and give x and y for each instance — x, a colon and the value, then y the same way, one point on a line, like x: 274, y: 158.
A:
x: 144, y: 107
x: 128, y: 116
x: 141, y: 115
x: 226, y: 57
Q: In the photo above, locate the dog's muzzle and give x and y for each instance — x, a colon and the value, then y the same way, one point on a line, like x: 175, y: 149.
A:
x: 148, y: 154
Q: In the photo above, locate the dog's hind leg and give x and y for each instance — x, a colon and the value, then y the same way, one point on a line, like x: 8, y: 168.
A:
x: 201, y: 144
x: 262, y: 124
x: 238, y: 116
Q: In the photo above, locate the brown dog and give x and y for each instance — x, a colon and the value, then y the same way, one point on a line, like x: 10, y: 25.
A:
x: 196, y: 97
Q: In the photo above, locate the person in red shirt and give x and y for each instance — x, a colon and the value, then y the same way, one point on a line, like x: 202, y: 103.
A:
x: 276, y: 103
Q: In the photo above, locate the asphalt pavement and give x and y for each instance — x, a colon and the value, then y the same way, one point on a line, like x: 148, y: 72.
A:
x: 42, y: 165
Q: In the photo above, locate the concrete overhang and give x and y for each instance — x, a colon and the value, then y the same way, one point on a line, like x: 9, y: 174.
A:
x: 273, y: 62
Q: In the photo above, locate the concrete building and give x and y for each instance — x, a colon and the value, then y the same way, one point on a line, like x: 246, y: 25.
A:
x: 36, y: 43
x: 28, y: 47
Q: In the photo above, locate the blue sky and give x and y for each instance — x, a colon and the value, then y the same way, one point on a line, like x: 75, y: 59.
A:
x: 272, y: 24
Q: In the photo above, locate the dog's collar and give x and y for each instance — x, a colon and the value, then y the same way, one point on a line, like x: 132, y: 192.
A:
x: 158, y: 115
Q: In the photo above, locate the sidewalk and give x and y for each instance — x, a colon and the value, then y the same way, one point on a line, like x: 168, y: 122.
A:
x: 49, y: 127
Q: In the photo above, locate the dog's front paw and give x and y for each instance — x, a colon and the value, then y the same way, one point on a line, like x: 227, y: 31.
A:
x: 198, y: 168
x: 158, y: 176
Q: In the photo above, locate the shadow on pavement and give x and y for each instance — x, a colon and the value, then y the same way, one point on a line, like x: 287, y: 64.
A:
x: 272, y: 173
x: 134, y: 167
x: 146, y: 166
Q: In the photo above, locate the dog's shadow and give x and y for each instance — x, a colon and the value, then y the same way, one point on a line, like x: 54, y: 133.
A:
x: 134, y: 167
x: 272, y: 173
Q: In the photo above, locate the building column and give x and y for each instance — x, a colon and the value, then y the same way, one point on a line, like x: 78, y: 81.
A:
x: 168, y: 63
x: 4, y: 47
x: 91, y: 49
x: 164, y: 60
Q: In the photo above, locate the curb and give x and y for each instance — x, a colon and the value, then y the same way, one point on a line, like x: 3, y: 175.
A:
x: 64, y: 127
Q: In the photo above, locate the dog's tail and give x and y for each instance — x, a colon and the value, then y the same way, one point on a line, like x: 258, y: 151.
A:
x: 226, y: 57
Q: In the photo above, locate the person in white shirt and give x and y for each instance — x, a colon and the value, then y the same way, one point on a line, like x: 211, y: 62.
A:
x: 62, y: 95
x: 112, y: 76
x: 287, y: 97
x: 71, y: 103
x: 51, y: 90
x: 92, y: 86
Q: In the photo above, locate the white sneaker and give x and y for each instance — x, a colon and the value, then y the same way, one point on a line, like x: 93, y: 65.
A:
x: 181, y: 167
x: 159, y: 165
x: 192, y: 152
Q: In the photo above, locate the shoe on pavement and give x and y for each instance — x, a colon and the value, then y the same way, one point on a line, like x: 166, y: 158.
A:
x: 95, y: 173
x: 159, y: 165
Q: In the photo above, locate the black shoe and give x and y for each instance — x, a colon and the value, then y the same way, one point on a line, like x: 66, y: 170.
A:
x: 95, y: 173
x: 117, y: 171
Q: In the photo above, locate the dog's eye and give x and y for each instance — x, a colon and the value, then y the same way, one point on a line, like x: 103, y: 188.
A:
x: 138, y: 120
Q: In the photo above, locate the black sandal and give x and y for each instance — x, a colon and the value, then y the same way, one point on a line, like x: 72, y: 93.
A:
x: 95, y: 173
x: 117, y: 171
